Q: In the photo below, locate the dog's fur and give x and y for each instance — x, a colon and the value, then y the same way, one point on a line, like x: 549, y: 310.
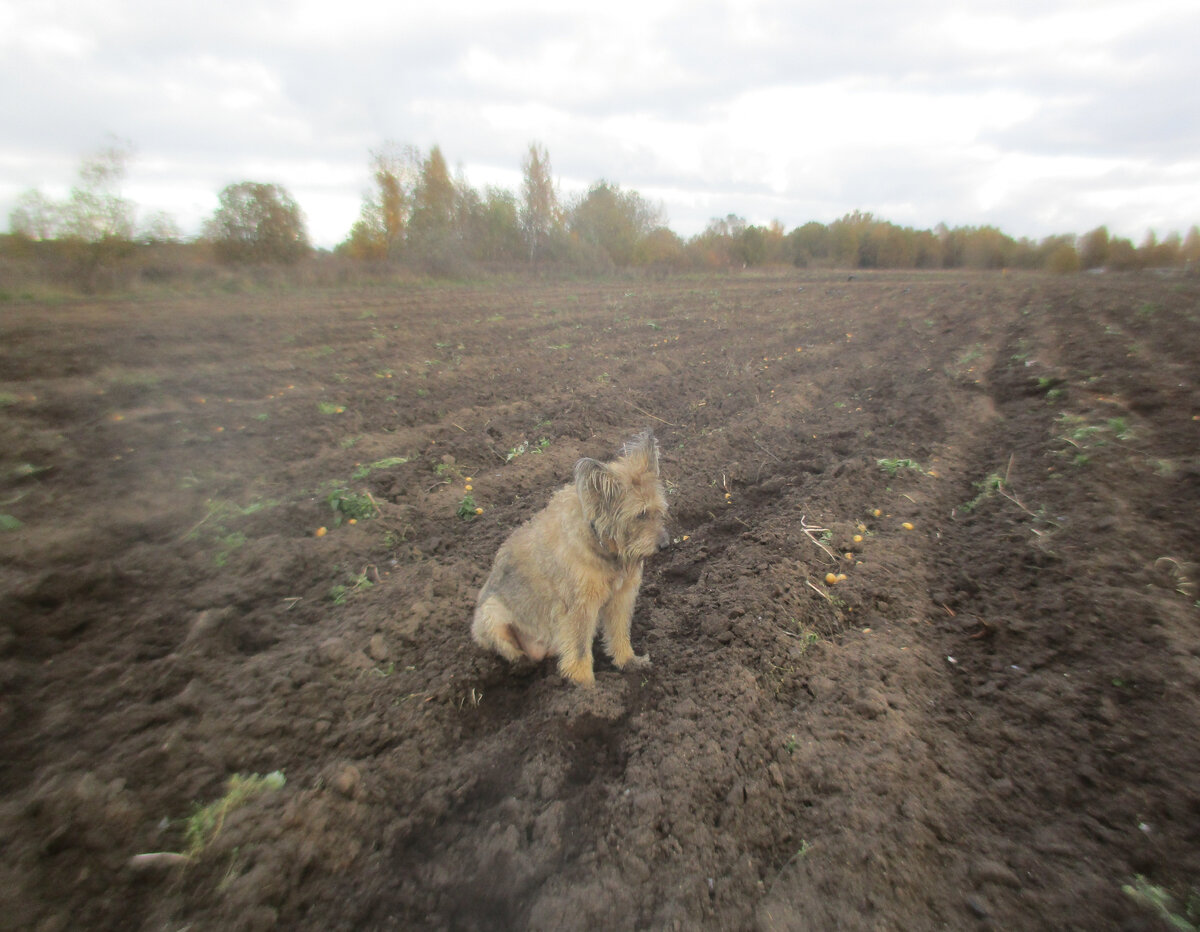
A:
x: 576, y: 566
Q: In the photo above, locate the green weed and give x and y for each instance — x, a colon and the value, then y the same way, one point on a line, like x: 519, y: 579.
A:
x: 1084, y: 437
x: 893, y: 466
x: 214, y: 526
x: 226, y: 545
x: 1155, y: 898
x: 205, y: 822
x: 1051, y: 387
x: 28, y: 470
x: 328, y: 407
x: 339, y: 593
x: 347, y: 504
x: 9, y: 523
x: 366, y: 469
x: 990, y: 485
x: 527, y: 447
x: 466, y: 508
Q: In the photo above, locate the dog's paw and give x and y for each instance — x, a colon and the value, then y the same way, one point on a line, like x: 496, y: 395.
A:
x: 635, y: 662
x: 579, y: 672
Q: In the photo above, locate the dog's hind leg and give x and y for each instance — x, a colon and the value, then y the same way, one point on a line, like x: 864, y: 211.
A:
x: 492, y: 628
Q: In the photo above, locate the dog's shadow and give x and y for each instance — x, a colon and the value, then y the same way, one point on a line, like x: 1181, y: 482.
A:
x: 508, y: 691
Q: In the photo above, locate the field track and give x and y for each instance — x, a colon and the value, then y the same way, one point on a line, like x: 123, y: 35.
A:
x: 992, y: 722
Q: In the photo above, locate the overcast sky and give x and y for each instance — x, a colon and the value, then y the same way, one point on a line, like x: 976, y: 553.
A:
x: 1037, y: 117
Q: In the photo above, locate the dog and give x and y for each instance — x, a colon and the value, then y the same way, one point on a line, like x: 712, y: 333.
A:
x: 576, y: 566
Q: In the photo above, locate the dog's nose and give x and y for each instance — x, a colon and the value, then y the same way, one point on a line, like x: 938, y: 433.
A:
x: 664, y: 540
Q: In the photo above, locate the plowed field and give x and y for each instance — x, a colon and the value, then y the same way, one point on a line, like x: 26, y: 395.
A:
x: 992, y: 721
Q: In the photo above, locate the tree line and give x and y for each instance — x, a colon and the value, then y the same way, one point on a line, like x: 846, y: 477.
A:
x: 417, y: 214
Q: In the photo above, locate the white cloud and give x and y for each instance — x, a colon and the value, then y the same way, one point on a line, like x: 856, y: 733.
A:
x: 1038, y: 116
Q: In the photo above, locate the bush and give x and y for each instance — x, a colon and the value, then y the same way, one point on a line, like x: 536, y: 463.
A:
x: 258, y: 223
x: 1062, y: 260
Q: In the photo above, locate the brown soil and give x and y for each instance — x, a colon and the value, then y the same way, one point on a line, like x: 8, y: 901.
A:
x: 992, y: 722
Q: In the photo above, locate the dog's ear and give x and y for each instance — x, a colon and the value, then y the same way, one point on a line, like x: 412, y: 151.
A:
x: 642, y: 452
x: 599, y: 490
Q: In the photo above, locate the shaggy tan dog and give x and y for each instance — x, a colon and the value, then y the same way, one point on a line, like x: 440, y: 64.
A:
x: 576, y: 566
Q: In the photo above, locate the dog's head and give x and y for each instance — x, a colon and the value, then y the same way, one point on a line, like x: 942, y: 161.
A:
x: 624, y: 500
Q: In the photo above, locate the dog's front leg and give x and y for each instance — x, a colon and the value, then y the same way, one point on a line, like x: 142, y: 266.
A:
x: 616, y: 618
x: 575, y: 655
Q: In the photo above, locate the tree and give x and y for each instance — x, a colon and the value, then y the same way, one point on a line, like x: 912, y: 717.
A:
x: 94, y: 227
x: 432, y: 239
x: 490, y: 225
x: 1059, y: 255
x: 928, y: 250
x: 808, y: 242
x: 379, y: 231
x: 660, y: 249
x: 845, y: 236
x: 988, y: 248
x: 1093, y: 248
x: 614, y: 220
x: 541, y: 216
x: 1122, y: 256
x: 159, y: 227
x: 433, y: 202
x: 96, y: 211
x: 751, y: 246
x: 720, y: 245
x: 1189, y: 252
x: 257, y: 223
x: 35, y: 217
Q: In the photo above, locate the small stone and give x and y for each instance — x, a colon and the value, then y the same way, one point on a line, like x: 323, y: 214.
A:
x: 377, y: 648
x: 870, y: 704
x: 822, y: 688
x: 714, y: 626
x: 208, y: 631
x: 158, y: 861
x: 994, y: 872
x: 978, y: 910
x: 333, y: 650
x: 347, y: 781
